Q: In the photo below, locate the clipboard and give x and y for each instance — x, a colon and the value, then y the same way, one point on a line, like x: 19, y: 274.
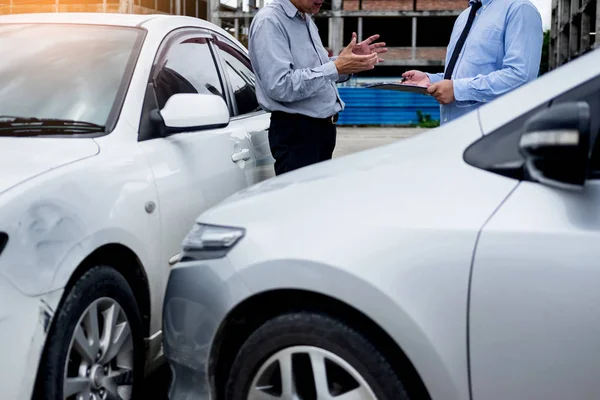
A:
x: 399, y: 87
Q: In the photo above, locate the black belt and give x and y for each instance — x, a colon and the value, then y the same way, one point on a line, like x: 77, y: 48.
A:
x: 333, y: 119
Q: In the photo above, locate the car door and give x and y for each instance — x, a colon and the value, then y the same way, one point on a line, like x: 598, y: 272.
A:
x: 238, y: 74
x: 534, y: 315
x: 192, y: 170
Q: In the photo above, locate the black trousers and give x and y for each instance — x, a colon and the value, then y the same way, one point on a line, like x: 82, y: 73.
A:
x: 298, y: 140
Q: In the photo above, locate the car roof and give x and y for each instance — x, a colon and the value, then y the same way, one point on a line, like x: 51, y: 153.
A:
x: 78, y: 18
x: 160, y: 22
x: 130, y: 20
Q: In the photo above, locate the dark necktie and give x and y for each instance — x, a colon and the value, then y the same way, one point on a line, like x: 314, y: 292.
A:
x: 461, y: 40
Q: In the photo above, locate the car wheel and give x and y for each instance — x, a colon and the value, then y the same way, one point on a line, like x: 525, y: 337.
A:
x: 95, y: 347
x: 311, y: 356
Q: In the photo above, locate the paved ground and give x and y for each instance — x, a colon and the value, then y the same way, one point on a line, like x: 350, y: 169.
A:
x: 349, y: 140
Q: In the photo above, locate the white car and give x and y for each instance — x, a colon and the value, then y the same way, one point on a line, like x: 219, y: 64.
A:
x: 463, y: 263
x: 116, y: 131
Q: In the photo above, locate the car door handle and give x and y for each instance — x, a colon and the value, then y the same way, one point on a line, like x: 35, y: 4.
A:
x: 242, y: 155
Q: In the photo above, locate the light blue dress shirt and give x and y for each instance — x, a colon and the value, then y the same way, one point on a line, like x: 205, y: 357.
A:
x: 294, y: 72
x: 502, y: 52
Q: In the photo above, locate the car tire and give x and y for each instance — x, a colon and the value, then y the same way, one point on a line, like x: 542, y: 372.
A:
x: 101, y: 294
x: 307, y: 339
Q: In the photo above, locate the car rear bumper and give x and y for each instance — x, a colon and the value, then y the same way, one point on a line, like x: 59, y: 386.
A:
x: 198, y: 298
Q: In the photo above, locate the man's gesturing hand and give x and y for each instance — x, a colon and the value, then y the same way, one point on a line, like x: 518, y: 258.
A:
x: 368, y: 47
x: 350, y: 63
x: 416, y: 78
x: 443, y: 91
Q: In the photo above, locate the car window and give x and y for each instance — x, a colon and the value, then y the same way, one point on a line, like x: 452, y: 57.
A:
x: 50, y: 71
x: 239, y: 72
x: 188, y: 67
x: 499, y: 150
x: 588, y: 92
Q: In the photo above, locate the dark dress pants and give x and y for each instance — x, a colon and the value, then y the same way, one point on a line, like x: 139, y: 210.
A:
x: 297, y: 140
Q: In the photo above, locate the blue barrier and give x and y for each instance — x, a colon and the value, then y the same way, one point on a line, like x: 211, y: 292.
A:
x: 384, y: 107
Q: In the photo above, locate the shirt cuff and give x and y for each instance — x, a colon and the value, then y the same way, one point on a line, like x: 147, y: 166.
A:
x: 461, y: 89
x: 330, y: 71
x: 433, y: 78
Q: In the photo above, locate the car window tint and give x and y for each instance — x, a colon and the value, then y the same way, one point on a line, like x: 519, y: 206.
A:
x: 588, y: 92
x: 241, y: 77
x: 188, y: 68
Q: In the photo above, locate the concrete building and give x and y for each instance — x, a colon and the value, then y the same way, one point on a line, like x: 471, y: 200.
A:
x: 416, y: 31
x: 573, y: 29
x: 193, y: 8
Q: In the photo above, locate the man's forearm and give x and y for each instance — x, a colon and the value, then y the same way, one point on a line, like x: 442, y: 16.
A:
x: 488, y: 87
x: 299, y: 84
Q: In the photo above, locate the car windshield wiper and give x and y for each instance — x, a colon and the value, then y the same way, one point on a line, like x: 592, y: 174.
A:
x: 45, y: 125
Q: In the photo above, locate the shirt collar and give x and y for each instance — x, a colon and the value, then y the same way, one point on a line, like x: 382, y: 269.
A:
x: 290, y: 9
x: 483, y: 2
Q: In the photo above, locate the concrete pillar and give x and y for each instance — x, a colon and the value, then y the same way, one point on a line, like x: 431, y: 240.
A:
x: 336, y: 31
x: 236, y: 28
x: 597, y: 42
x: 586, y: 28
x: 197, y: 9
x: 213, y: 12
x: 359, y: 34
x: 330, y: 36
x: 413, y: 49
x: 177, y: 7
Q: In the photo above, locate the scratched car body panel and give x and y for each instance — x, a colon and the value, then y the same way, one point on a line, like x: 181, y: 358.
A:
x: 456, y: 254
x: 64, y: 199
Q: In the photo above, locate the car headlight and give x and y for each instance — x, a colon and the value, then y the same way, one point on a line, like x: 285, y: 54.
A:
x: 3, y: 241
x: 205, y: 242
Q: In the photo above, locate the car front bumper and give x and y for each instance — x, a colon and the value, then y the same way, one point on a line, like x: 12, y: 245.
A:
x: 24, y: 323
x: 198, y: 298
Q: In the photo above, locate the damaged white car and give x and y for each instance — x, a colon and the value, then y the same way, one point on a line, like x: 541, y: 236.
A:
x: 116, y: 131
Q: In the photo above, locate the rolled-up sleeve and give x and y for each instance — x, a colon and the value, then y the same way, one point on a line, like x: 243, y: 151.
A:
x: 343, y: 77
x: 521, y: 63
x: 434, y: 78
x: 272, y: 60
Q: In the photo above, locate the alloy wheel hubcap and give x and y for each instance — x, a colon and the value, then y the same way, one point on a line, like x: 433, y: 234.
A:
x: 308, y: 373
x: 100, y: 357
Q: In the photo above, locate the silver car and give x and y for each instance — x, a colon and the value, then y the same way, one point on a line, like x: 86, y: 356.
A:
x: 463, y: 263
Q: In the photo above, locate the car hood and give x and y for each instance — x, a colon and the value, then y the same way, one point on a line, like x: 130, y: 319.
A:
x: 381, y: 177
x: 24, y: 158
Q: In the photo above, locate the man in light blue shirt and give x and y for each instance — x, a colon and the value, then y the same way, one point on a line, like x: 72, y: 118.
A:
x: 502, y: 51
x: 296, y: 80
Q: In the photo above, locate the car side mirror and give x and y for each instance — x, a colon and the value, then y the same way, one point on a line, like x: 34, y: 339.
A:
x: 556, y: 145
x: 185, y: 112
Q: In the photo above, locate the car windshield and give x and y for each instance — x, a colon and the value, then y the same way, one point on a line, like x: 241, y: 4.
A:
x: 68, y: 78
